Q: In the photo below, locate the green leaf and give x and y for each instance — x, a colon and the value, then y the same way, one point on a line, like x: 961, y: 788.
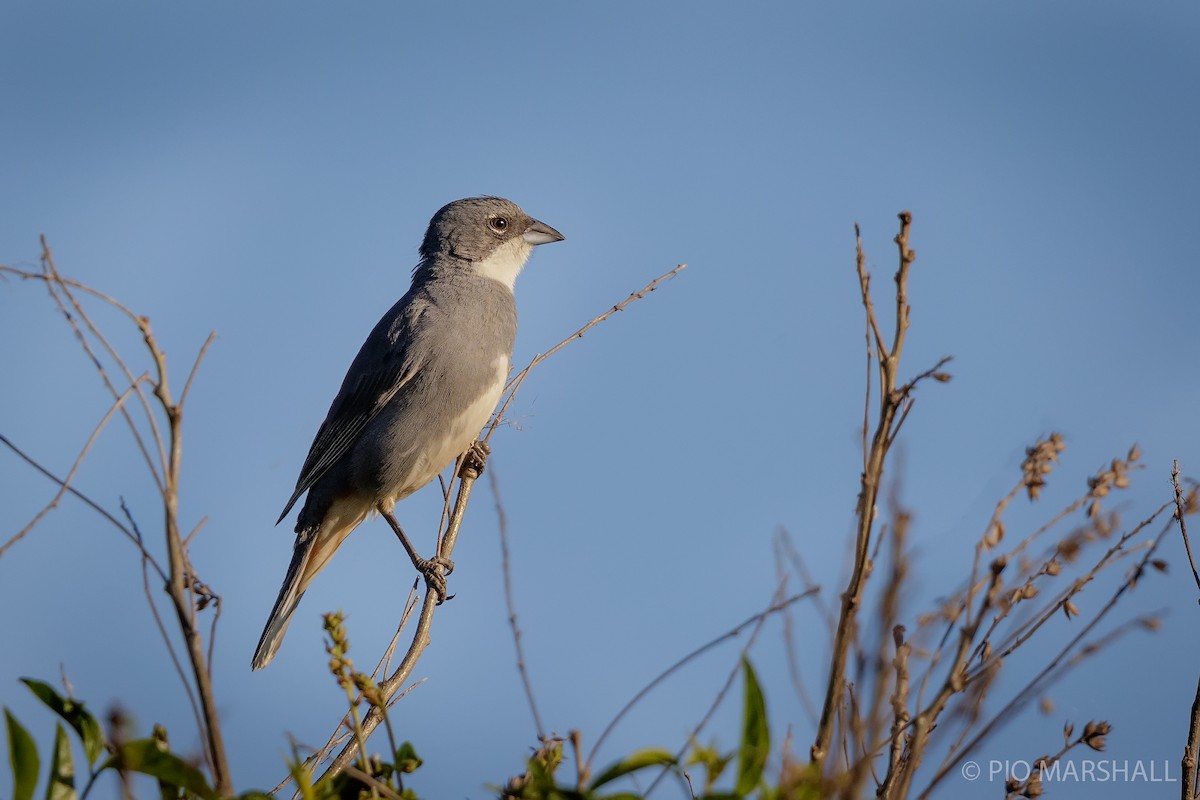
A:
x: 407, y: 759
x: 148, y: 757
x: 756, y: 736
x: 713, y: 762
x: 22, y: 755
x: 62, y: 768
x: 638, y: 760
x: 74, y: 714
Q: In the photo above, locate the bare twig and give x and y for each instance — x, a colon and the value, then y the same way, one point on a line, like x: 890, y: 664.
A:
x: 178, y: 585
x: 158, y: 620
x: 789, y: 641
x: 892, y: 401
x: 179, y: 578
x: 732, y: 633
x: 889, y: 612
x: 64, y: 485
x: 1032, y: 686
x: 1180, y: 513
x: 519, y: 378
x: 695, y: 732
x: 340, y: 733
x: 1191, y: 751
x: 506, y: 568
x: 187, y: 385
x: 56, y: 285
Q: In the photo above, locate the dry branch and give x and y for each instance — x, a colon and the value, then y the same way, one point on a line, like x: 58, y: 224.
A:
x: 179, y: 578
x: 894, y: 402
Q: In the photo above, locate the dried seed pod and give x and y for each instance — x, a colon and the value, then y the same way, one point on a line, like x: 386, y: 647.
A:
x: 1094, y: 733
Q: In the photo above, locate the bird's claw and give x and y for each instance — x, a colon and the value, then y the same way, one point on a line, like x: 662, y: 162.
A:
x: 476, y: 456
x: 435, y: 571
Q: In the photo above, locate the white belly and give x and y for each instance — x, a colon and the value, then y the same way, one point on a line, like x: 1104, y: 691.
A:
x: 458, y: 435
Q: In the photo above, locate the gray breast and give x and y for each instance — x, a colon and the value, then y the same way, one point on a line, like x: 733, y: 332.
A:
x: 460, y: 325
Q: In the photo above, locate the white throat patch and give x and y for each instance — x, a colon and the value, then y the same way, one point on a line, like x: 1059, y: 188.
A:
x: 505, y: 263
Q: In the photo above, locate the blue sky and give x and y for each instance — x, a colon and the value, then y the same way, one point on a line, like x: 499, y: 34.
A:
x: 266, y: 171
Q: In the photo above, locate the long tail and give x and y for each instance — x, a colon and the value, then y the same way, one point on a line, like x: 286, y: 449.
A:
x: 315, y: 545
x: 289, y: 597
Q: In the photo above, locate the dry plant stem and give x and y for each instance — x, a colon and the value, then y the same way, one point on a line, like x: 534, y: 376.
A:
x: 992, y: 663
x: 92, y: 504
x: 890, y: 402
x: 339, y: 734
x: 519, y: 378
x: 689, y: 658
x: 378, y: 788
x: 581, y: 772
x: 505, y: 567
x: 789, y: 637
x: 1044, y: 681
x: 1180, y: 513
x: 806, y: 578
x: 165, y: 472
x: 988, y: 669
x: 388, y: 687
x: 778, y: 603
x: 56, y: 284
x: 162, y: 626
x: 1022, y: 696
x: 65, y: 484
x: 900, y: 715
x: 467, y: 475
x: 1191, y: 751
x: 954, y: 682
x: 889, y: 612
x: 977, y: 583
x: 980, y: 548
x: 1023, y: 634
x: 178, y: 585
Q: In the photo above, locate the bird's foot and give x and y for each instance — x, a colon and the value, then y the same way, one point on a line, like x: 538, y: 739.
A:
x: 435, y: 571
x: 476, y: 457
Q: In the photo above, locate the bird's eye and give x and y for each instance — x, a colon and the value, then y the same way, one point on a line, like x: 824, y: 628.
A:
x: 498, y: 224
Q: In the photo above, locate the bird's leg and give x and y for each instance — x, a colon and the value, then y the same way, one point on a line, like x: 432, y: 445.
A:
x: 476, y: 456
x: 433, y: 569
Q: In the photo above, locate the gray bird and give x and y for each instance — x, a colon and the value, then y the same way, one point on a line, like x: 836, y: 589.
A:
x: 421, y: 388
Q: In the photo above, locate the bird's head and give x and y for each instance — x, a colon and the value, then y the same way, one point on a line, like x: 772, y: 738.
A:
x: 493, y: 236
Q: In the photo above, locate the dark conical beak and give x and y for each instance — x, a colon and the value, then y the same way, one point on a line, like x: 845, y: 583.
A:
x: 541, y: 233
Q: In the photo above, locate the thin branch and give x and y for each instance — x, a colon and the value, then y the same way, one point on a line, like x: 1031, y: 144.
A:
x: 864, y: 286
x: 55, y: 283
x: 1055, y: 662
x: 890, y: 403
x: 158, y: 622
x: 65, y: 484
x: 506, y: 569
x: 187, y: 386
x: 789, y: 638
x: 519, y: 378
x: 778, y: 603
x: 692, y: 656
x: 1180, y: 514
x: 178, y: 585
x: 889, y: 612
x: 1191, y: 751
x: 339, y: 734
x: 182, y: 584
x: 92, y: 504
